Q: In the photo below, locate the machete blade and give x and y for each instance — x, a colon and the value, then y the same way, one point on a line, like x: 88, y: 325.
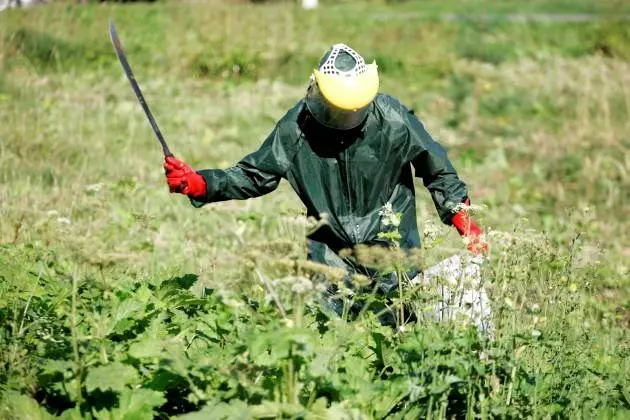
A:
x: 134, y: 85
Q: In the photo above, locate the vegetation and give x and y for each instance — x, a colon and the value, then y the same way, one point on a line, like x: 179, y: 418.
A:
x: 120, y: 301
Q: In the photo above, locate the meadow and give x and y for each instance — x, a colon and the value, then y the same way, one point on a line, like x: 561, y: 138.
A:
x: 119, y: 300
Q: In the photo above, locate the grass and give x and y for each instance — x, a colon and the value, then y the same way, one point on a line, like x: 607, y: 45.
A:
x: 118, y: 298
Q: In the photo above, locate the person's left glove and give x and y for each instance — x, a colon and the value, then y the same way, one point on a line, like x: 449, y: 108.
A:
x: 182, y: 179
x: 467, y: 228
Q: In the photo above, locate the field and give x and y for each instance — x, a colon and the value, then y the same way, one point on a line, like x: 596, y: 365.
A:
x: 119, y: 300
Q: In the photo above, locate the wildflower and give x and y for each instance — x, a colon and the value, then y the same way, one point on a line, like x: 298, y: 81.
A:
x: 573, y: 288
x: 360, y: 280
x: 431, y: 231
x: 94, y: 188
x: 389, y: 217
x: 535, y: 308
x: 536, y: 333
x: 320, y: 287
x: 345, y: 292
x: 63, y: 220
x: 470, y: 208
x: 301, y: 285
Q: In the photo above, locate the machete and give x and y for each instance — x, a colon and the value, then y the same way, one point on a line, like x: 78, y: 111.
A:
x: 132, y: 80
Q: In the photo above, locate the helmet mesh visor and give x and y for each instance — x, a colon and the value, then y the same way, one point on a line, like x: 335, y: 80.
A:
x: 329, y: 115
x: 342, y: 60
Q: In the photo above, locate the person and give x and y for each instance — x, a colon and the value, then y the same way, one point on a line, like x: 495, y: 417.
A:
x: 348, y: 151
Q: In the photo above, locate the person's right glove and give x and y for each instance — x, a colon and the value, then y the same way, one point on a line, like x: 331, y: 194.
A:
x: 182, y: 179
x: 467, y: 228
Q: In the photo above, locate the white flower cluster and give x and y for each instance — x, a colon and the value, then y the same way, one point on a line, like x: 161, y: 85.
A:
x: 431, y: 231
x: 470, y: 208
x: 62, y: 220
x: 389, y: 217
x: 94, y: 188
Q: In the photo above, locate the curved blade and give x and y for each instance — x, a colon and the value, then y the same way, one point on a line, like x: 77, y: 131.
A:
x: 132, y: 80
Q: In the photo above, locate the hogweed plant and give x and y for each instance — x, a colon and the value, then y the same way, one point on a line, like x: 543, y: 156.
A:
x: 391, y: 221
x: 268, y: 347
x: 76, y: 343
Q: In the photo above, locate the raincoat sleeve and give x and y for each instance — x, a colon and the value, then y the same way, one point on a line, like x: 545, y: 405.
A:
x: 256, y: 174
x: 432, y: 164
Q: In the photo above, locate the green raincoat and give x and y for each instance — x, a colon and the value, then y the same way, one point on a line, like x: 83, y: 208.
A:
x: 349, y: 175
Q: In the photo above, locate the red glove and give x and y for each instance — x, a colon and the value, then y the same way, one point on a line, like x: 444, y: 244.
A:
x: 182, y: 179
x: 467, y: 228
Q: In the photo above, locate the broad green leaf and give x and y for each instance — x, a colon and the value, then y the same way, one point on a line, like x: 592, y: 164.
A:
x: 124, y: 314
x: 123, y: 325
x: 320, y: 405
x: 137, y: 404
x: 438, y: 387
x: 163, y: 380
x: 56, y: 366
x: 143, y: 294
x: 23, y: 407
x: 320, y: 365
x: 140, y: 399
x: 267, y: 348
x: 336, y: 411
x: 451, y: 379
x: 115, y: 376
x: 267, y: 409
x: 236, y: 409
x: 68, y: 387
x: 72, y: 414
x: 320, y: 411
x: 146, y: 348
x: 358, y: 367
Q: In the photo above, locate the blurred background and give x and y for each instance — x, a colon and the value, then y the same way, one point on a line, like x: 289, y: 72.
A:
x: 530, y: 98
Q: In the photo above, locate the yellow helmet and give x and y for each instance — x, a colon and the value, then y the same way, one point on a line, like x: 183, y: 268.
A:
x: 342, y: 88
